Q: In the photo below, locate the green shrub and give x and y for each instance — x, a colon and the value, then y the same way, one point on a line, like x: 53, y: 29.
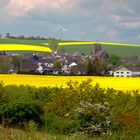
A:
x: 2, y: 92
x: 19, y: 113
x: 78, y: 108
x: 95, y: 119
x: 55, y: 124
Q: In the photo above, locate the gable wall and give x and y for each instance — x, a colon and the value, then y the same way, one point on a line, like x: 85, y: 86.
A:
x: 123, y: 72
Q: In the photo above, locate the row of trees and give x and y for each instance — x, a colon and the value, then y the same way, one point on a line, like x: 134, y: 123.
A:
x: 37, y: 37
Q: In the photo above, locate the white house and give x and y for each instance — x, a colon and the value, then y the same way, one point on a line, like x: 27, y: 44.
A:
x: 125, y: 71
x: 72, y: 64
x: 40, y: 68
x: 66, y: 67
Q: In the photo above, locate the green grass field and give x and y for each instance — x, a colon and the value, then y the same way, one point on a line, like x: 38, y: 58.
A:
x: 22, y: 41
x: 119, y: 50
x: 111, y: 49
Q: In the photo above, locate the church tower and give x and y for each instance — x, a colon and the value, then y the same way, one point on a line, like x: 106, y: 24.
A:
x: 97, y: 48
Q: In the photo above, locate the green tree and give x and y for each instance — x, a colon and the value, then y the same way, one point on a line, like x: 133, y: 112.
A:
x: 53, y: 44
x: 98, y: 66
x: 94, y: 67
x: 7, y: 35
x: 114, y: 60
x: 89, y: 69
x: 16, y: 62
x: 129, y: 64
x: 4, y: 65
x: 57, y: 65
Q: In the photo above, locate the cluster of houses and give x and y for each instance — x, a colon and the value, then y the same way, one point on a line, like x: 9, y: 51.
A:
x: 54, y: 63
x: 62, y: 63
x: 44, y: 63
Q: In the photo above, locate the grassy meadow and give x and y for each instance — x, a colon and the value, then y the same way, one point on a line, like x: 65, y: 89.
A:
x: 16, y: 134
x: 22, y: 41
x: 52, y: 81
x: 111, y: 49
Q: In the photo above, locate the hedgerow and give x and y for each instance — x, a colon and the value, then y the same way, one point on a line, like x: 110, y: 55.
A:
x: 78, y: 108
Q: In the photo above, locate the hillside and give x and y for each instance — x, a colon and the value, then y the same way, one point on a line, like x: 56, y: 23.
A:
x: 22, y: 41
x: 120, y: 50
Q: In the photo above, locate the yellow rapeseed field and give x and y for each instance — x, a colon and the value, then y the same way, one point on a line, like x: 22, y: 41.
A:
x: 91, y: 43
x: 22, y: 47
x: 44, y: 81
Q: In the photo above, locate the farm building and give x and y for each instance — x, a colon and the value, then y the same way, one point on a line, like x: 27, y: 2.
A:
x: 125, y: 71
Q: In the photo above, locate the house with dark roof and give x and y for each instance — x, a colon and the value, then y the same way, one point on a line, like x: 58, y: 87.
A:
x: 67, y: 65
x: 130, y: 59
x: 79, y: 69
x: 48, y: 62
x: 125, y: 71
x: 28, y: 66
x: 29, y: 62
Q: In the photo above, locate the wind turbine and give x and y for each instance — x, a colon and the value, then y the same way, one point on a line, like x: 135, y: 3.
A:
x: 60, y: 31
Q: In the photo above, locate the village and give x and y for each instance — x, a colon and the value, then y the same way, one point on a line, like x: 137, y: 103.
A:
x: 62, y: 63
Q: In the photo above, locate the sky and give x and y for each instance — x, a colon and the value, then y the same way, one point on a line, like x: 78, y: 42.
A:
x: 84, y: 20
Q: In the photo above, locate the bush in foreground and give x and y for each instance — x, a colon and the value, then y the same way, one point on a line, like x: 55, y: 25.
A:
x: 19, y: 113
x: 80, y: 108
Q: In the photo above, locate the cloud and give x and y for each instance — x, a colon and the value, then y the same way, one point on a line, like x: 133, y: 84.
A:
x: 117, y: 18
x: 112, y: 33
x: 86, y: 19
x: 132, y: 25
x: 22, y: 7
x: 3, y: 3
x: 138, y: 38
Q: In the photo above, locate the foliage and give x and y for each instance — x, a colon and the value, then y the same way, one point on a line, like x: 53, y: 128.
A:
x: 19, y: 112
x: 4, y: 65
x: 114, y: 60
x: 90, y: 70
x: 59, y: 125
x: 98, y: 66
x: 2, y: 92
x: 94, y: 67
x: 80, y: 108
x: 95, y: 119
x: 15, y: 60
x: 53, y: 44
x: 57, y: 65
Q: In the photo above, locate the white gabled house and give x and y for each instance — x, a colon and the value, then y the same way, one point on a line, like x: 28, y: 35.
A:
x: 125, y: 71
x: 40, y: 68
x: 66, y: 69
x: 67, y: 66
x: 72, y: 64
